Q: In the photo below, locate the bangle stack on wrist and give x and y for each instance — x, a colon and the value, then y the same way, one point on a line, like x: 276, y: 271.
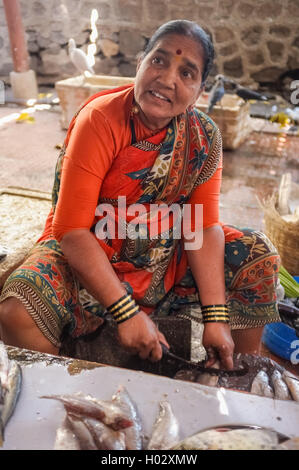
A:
x: 215, y: 313
x: 123, y: 309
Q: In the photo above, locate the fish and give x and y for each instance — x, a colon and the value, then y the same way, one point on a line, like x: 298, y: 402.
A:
x: 104, y: 437
x: 208, y: 379
x: 87, y: 406
x: 237, y: 439
x: 11, y: 382
x: 166, y: 429
x: 4, y: 366
x: 260, y: 385
x: 133, y: 434
x: 66, y: 439
x: 292, y: 383
x: 79, y: 433
x: 281, y: 390
x: 77, y: 425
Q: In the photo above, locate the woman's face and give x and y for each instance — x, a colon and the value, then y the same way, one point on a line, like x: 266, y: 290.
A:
x: 168, y: 79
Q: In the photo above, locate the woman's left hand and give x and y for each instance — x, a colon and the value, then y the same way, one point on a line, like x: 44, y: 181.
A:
x: 217, y: 341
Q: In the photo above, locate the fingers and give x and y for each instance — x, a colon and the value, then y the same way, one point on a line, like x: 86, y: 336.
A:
x: 212, y: 357
x: 153, y: 351
x: 226, y: 358
x: 141, y: 336
x: 223, y: 354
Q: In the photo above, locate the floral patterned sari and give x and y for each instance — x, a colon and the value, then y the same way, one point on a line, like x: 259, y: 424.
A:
x: 161, y: 170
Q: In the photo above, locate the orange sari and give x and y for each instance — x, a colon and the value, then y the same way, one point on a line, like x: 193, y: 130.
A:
x: 178, y: 166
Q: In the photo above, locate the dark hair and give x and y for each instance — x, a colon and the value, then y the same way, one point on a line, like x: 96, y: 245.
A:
x: 186, y: 28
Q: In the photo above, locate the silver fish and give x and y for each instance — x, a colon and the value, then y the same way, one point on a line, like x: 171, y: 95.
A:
x: 104, y: 437
x: 81, y: 432
x: 87, y: 406
x: 292, y: 383
x: 260, y: 385
x: 13, y: 388
x: 133, y: 434
x: 166, y: 429
x: 281, y: 391
x: 66, y: 439
x: 208, y: 379
x: 4, y: 365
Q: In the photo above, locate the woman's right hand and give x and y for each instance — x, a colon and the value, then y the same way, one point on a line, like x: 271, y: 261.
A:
x: 140, y: 335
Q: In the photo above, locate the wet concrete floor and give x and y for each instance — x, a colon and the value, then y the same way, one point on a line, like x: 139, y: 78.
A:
x: 254, y: 170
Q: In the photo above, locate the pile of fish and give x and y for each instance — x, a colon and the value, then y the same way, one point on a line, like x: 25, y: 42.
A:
x: 92, y: 424
x: 265, y: 377
x: 10, y: 387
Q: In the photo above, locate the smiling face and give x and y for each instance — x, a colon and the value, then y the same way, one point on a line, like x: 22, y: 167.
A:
x: 168, y: 79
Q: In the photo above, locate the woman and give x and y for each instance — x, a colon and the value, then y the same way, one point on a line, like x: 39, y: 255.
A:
x: 148, y: 144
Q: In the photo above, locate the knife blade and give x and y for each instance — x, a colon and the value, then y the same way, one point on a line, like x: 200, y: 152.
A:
x: 200, y: 366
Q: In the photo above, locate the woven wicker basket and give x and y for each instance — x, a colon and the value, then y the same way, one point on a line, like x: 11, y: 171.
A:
x: 284, y: 235
x: 232, y: 116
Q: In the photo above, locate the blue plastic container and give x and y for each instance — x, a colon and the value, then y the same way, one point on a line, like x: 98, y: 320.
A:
x: 278, y: 338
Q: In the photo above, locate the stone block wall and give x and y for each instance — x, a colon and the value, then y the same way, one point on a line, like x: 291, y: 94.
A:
x: 255, y: 40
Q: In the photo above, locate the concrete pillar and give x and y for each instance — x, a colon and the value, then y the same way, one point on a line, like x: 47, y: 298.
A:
x: 23, y: 80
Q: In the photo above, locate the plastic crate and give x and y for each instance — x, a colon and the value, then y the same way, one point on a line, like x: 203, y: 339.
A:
x: 278, y: 338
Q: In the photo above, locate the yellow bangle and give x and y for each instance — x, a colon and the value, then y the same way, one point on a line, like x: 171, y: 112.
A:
x: 119, y: 303
x: 127, y: 315
x: 123, y: 309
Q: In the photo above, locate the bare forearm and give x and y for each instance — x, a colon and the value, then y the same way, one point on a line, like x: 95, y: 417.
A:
x: 207, y: 266
x: 92, y: 266
x: 139, y: 334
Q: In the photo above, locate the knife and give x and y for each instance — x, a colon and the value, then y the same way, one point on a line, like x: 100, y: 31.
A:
x: 200, y: 367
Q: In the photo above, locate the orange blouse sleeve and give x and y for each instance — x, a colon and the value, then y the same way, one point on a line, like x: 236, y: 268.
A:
x: 88, y: 157
x: 208, y: 194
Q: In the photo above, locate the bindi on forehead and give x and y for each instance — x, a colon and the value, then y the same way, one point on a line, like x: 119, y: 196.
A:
x: 178, y: 51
